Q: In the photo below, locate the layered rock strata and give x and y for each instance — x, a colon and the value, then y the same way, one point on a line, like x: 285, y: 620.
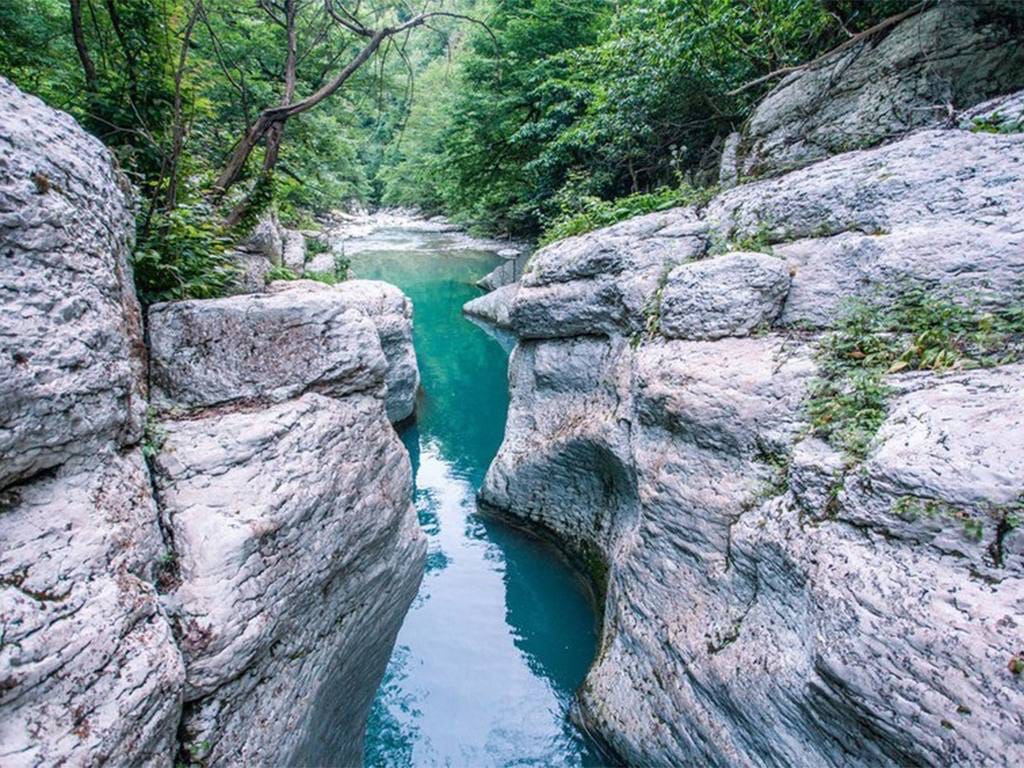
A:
x: 946, y: 57
x: 768, y: 599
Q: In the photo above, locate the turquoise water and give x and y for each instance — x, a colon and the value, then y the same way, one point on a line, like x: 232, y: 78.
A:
x: 502, y: 631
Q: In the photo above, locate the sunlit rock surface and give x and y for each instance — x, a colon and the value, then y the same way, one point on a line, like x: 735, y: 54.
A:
x: 298, y: 554
x: 770, y: 601
x: 267, y: 564
x: 71, y: 333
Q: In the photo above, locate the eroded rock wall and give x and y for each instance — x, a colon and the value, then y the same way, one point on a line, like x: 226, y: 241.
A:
x: 769, y: 601
x: 239, y: 604
x: 287, y: 496
x: 89, y: 670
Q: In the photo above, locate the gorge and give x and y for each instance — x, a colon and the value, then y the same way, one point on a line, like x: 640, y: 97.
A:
x: 735, y: 481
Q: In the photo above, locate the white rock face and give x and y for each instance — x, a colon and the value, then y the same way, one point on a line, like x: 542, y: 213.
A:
x: 505, y: 274
x: 391, y: 312
x: 949, y: 57
x: 769, y: 601
x: 297, y: 546
x: 600, y: 282
x: 88, y: 663
x: 941, y: 209
x: 494, y: 307
x: 293, y: 250
x: 285, y: 549
x: 294, y: 575
x: 277, y: 345
x: 726, y: 296
x: 70, y: 334
x: 267, y: 239
x: 89, y: 671
x: 300, y: 336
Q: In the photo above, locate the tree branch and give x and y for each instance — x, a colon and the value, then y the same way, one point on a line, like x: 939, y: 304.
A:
x: 871, y: 31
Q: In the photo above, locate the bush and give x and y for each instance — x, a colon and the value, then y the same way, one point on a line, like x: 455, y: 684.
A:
x: 583, y: 213
x: 182, y: 255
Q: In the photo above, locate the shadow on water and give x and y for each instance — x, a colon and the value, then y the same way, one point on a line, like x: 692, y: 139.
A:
x: 502, y: 631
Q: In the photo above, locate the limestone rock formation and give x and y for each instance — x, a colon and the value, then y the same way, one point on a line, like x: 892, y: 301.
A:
x: 770, y: 600
x: 273, y: 346
x: 89, y: 665
x: 727, y: 296
x: 506, y: 273
x: 240, y: 604
x: 72, y: 356
x: 494, y: 307
x: 391, y: 312
x: 294, y: 574
x: 948, y: 57
x: 298, y: 550
x: 89, y: 670
x: 301, y: 335
x: 293, y: 250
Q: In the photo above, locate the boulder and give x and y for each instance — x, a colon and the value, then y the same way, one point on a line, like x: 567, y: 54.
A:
x: 266, y: 239
x: 71, y: 354
x: 322, y: 263
x: 390, y: 310
x: 293, y: 250
x: 947, y: 57
x: 494, y: 307
x: 89, y: 669
x: 273, y: 346
x: 504, y: 274
x: 768, y: 600
x: 862, y: 638
x: 252, y: 271
x: 278, y: 550
x: 601, y: 282
x: 729, y: 295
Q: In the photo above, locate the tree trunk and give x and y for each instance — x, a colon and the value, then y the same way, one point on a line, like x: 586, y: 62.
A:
x: 276, y: 131
x: 83, y: 52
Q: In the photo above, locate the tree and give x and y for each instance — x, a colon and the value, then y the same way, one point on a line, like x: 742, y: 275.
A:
x: 326, y: 19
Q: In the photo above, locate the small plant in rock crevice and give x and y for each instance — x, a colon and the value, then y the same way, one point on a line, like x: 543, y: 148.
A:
x: 278, y: 272
x: 998, y: 123
x: 1004, y: 518
x: 759, y: 241
x: 913, y: 331
x: 153, y: 436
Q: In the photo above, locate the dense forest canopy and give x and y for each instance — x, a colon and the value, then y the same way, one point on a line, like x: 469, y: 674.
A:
x: 511, y: 116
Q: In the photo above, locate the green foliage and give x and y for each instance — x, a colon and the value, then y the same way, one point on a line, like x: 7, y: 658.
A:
x: 997, y: 123
x: 314, y: 247
x: 582, y: 213
x: 279, y: 272
x: 182, y: 255
x: 760, y: 240
x: 153, y: 436
x: 589, y: 101
x: 1002, y: 517
x: 915, y: 330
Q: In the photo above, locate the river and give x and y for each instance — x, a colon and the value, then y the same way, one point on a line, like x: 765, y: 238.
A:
x: 502, y: 630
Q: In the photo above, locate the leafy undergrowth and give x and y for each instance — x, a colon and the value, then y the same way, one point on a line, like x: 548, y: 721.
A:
x: 587, y: 213
x: 338, y: 275
x: 916, y: 331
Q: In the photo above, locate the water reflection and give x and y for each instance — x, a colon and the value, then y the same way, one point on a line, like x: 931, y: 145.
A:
x: 502, y: 632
